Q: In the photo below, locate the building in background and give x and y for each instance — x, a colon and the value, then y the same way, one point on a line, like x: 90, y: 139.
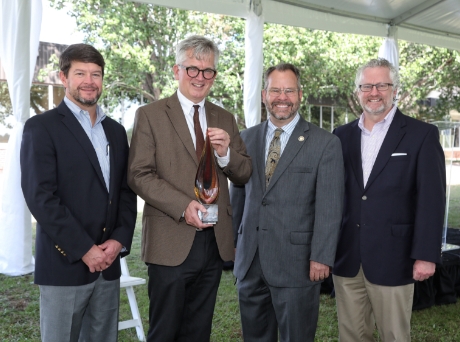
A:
x: 46, y: 91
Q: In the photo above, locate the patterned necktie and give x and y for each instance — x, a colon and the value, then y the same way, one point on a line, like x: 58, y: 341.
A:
x: 198, y: 132
x: 274, y: 153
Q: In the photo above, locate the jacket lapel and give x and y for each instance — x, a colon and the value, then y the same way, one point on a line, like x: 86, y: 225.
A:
x: 291, y: 149
x: 114, y: 145
x: 71, y: 122
x: 260, y: 137
x: 394, y: 135
x: 176, y: 115
x: 355, y: 154
x: 212, y: 118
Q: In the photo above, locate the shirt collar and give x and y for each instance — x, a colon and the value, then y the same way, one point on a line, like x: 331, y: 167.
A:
x: 288, y: 128
x: 76, y: 110
x: 186, y: 104
x: 385, y: 123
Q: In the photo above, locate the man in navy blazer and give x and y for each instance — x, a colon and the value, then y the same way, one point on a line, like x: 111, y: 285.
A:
x: 74, y: 163
x: 394, y: 209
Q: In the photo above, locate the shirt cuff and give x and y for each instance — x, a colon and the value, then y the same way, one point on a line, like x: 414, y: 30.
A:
x: 223, y: 161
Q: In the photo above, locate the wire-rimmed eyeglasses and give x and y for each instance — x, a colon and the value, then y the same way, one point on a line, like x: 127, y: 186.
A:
x: 277, y: 91
x: 208, y: 74
x: 379, y: 86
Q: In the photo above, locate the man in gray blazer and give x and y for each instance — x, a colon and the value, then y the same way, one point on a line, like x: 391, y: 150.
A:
x: 287, y: 216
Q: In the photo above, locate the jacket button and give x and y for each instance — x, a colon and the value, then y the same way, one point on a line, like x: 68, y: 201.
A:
x: 357, y: 225
x: 364, y: 197
x: 257, y: 228
x: 103, y: 229
x: 264, y: 203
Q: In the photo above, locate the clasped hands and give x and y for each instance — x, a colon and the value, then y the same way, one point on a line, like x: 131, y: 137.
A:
x: 100, y: 257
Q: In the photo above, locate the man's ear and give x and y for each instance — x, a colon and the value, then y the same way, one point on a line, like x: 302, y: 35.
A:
x: 63, y: 78
x: 176, y: 71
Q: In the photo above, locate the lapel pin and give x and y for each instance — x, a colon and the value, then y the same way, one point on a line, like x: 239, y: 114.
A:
x: 301, y: 138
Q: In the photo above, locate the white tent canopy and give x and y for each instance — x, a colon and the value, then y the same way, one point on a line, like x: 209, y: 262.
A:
x: 19, y: 29
x: 431, y: 22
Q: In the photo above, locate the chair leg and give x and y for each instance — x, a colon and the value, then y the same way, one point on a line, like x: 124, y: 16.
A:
x: 135, y: 312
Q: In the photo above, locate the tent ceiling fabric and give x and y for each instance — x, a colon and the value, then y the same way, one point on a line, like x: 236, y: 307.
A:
x: 432, y: 22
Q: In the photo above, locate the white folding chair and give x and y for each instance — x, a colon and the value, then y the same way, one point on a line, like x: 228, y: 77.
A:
x: 128, y: 282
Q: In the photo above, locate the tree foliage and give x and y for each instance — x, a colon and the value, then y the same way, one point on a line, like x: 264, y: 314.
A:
x: 6, y: 107
x: 138, y: 41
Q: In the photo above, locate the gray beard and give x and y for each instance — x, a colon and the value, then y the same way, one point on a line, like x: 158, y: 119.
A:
x: 282, y: 117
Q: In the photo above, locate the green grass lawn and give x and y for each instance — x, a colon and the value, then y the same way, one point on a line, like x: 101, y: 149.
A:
x: 19, y: 310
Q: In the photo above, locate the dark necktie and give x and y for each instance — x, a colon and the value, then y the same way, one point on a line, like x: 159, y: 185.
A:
x: 198, y: 132
x: 274, y: 153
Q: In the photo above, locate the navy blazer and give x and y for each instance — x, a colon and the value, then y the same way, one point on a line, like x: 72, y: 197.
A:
x: 65, y: 191
x: 398, y: 217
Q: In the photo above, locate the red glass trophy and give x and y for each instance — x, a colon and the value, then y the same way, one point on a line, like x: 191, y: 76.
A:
x: 207, y: 184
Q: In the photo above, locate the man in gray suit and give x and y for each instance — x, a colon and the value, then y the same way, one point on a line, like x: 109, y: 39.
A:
x: 287, y: 216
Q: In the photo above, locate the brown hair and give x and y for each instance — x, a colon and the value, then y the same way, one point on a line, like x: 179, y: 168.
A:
x: 80, y: 53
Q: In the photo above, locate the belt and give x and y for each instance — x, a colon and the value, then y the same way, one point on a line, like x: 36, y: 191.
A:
x: 205, y: 229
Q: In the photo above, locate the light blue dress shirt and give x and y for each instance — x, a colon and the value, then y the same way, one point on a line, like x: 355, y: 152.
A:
x: 96, y: 135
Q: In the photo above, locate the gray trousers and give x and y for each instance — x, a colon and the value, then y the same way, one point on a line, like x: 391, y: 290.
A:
x: 266, y: 309
x: 87, y: 313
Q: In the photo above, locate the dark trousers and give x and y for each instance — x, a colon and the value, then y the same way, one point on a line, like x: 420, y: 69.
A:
x: 182, y: 298
x: 267, y: 310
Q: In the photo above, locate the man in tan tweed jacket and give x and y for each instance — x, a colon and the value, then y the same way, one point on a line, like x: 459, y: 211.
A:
x: 184, y: 256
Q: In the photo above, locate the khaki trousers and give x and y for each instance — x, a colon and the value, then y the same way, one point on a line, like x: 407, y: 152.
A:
x: 361, y: 305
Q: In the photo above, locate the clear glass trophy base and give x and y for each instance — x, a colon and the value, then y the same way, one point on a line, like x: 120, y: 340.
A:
x: 209, y: 217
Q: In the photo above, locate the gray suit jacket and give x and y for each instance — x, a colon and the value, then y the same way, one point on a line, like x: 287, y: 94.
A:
x: 297, y: 218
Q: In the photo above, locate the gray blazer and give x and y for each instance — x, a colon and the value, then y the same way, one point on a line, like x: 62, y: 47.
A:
x: 297, y: 218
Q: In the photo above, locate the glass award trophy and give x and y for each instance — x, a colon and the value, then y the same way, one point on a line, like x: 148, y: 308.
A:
x: 207, y: 184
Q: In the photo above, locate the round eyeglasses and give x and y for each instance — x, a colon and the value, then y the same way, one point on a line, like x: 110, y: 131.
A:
x: 208, y: 74
x: 379, y: 86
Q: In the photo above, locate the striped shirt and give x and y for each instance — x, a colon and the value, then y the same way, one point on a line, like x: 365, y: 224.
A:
x: 371, y: 141
x: 96, y: 135
x: 284, y: 137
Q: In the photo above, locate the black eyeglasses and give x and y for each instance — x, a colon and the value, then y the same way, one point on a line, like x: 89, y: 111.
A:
x: 208, y: 74
x: 379, y: 86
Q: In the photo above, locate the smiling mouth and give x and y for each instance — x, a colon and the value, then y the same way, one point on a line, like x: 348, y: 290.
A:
x: 198, y: 85
x: 282, y: 105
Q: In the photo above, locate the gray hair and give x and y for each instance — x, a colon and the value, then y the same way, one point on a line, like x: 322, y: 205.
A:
x: 282, y: 67
x: 379, y: 63
x: 201, y: 47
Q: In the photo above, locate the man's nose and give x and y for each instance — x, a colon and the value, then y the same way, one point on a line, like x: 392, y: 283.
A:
x: 374, y: 90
